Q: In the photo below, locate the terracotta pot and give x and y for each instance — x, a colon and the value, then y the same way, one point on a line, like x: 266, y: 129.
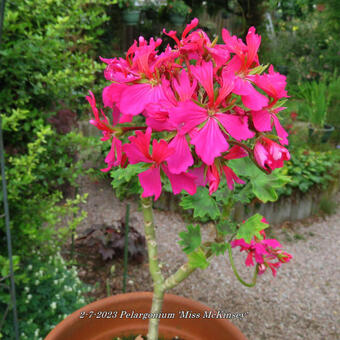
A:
x: 76, y: 328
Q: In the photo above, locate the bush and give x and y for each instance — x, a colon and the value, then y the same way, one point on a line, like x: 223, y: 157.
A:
x: 46, y: 68
x: 46, y: 291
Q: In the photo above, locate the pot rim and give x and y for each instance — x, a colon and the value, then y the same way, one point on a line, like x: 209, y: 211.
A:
x: 123, y: 299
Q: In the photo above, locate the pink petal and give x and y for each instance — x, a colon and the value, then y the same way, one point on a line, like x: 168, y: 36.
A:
x: 182, y: 158
x: 227, y: 86
x: 242, y: 87
x: 135, y: 97
x: 179, y: 116
x: 240, y: 242
x: 112, y: 94
x: 261, y: 120
x: 236, y: 152
x: 157, y: 116
x: 182, y: 181
x: 200, y: 180
x: 236, y: 126
x: 161, y: 151
x: 111, y: 160
x: 249, y: 260
x: 138, y: 150
x: 150, y: 181
x: 255, y: 100
x: 209, y: 142
x: 184, y: 89
x: 204, y: 74
x: 253, y: 42
x: 213, y: 177
x: 125, y: 119
x: 189, y: 27
x: 231, y: 177
x: 272, y: 243
x: 261, y: 154
x: 281, y: 132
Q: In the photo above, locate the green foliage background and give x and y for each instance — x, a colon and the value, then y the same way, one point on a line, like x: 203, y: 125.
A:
x: 49, y: 60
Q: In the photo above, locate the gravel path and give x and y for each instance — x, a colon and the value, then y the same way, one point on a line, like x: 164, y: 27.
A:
x: 302, y: 302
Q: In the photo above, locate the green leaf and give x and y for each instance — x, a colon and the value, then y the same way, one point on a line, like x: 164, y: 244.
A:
x: 219, y: 248
x: 202, y: 204
x: 127, y: 173
x: 191, y: 239
x: 197, y: 259
x: 226, y: 227
x: 263, y: 185
x: 251, y: 228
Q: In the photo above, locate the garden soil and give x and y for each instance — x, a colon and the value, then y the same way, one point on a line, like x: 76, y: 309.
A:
x: 301, y: 302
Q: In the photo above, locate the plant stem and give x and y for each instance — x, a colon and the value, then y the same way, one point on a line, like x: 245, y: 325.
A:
x: 252, y: 284
x: 181, y: 274
x: 159, y: 283
x: 154, y: 267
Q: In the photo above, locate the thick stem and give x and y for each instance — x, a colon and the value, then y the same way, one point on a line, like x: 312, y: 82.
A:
x: 154, y: 267
x: 156, y: 308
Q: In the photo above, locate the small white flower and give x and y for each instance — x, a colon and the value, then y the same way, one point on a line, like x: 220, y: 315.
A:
x: 29, y: 297
x: 36, y: 332
x: 53, y: 305
x: 29, y: 267
x: 27, y: 289
x: 36, y: 282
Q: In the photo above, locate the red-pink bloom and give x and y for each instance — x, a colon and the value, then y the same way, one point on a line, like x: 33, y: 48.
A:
x: 264, y: 252
x: 115, y: 156
x: 245, y: 57
x: 101, y: 124
x: 138, y: 151
x: 273, y: 83
x: 191, y: 92
x: 270, y: 155
x: 231, y: 177
x: 213, y: 177
x: 207, y: 122
x: 263, y: 121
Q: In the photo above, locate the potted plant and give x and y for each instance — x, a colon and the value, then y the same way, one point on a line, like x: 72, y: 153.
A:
x: 178, y: 11
x: 131, y: 10
x: 196, y: 121
x: 316, y: 98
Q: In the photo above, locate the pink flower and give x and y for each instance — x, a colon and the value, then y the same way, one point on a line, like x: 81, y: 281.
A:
x: 115, y: 156
x: 190, y: 95
x: 138, y: 151
x: 207, y: 122
x: 273, y: 84
x: 101, y: 124
x: 264, y: 252
x: 263, y: 121
x: 245, y: 57
x: 270, y: 155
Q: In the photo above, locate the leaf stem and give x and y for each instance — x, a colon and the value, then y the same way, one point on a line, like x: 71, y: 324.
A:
x: 252, y: 284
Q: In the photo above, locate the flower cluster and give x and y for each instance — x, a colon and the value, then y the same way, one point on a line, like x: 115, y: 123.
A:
x: 264, y: 251
x: 212, y: 102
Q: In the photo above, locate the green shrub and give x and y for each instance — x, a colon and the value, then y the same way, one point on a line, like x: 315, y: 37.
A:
x: 309, y: 168
x: 46, y: 291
